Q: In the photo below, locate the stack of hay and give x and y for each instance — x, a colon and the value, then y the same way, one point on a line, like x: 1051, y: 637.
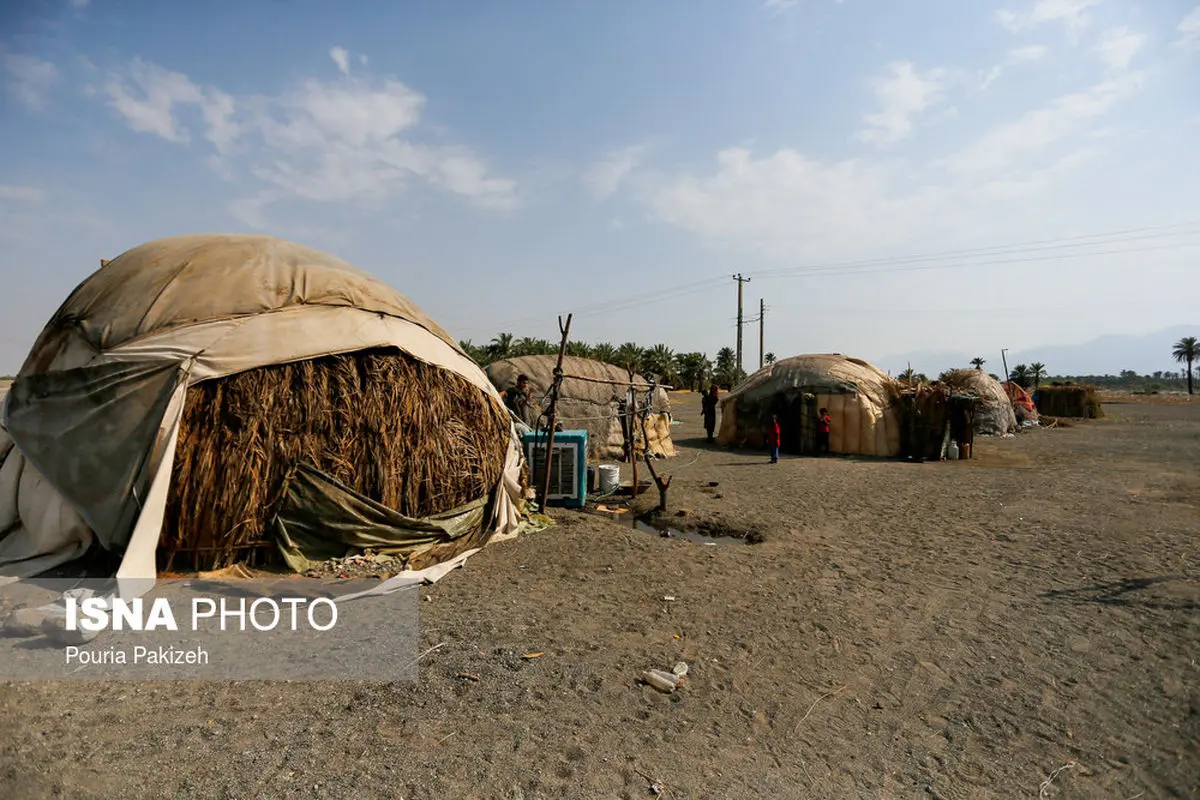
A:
x: 1062, y: 400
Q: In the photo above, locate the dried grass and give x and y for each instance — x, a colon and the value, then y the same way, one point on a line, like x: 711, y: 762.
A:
x: 1078, y: 402
x: 410, y: 436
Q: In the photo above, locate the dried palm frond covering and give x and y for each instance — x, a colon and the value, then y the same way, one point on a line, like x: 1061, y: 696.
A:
x: 414, y: 437
x: 1081, y: 402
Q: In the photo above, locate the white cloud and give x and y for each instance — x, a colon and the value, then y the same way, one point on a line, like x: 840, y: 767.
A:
x: 1189, y: 29
x: 348, y: 140
x: 779, y: 6
x: 1072, y: 14
x: 22, y: 194
x: 1033, y: 52
x: 341, y: 58
x: 605, y: 176
x: 27, y: 77
x: 790, y: 206
x: 1016, y: 56
x: 902, y: 93
x: 1035, y: 132
x: 1117, y: 47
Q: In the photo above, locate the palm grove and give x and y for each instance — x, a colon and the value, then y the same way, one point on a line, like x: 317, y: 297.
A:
x: 694, y: 371
x: 691, y: 371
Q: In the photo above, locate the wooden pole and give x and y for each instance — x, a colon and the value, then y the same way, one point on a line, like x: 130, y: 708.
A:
x: 553, y: 415
x: 633, y: 434
x: 662, y: 485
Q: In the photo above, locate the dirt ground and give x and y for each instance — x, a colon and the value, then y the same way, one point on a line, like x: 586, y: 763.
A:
x: 1025, y: 624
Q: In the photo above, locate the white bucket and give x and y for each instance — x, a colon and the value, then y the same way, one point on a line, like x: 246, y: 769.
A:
x: 609, y: 478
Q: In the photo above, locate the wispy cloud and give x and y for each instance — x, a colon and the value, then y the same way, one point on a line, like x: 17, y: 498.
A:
x: 605, y: 176
x: 1117, y: 47
x: 27, y: 77
x: 1189, y: 29
x: 779, y: 6
x: 1072, y: 14
x: 1016, y: 56
x: 79, y: 3
x: 1037, y: 131
x: 349, y: 140
x: 342, y: 58
x: 902, y: 94
x: 28, y: 195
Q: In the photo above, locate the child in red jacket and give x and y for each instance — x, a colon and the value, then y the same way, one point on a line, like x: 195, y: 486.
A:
x: 773, y: 438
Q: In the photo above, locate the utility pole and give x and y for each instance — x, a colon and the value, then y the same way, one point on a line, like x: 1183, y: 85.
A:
x: 762, y: 313
x: 740, y: 280
x: 1004, y: 361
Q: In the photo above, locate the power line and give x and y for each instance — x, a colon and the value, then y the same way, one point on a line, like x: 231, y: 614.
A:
x: 898, y: 264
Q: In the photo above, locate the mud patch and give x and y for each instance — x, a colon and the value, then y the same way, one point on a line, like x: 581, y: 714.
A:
x: 703, y: 533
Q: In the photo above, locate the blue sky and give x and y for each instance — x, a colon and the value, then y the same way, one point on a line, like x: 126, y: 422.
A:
x: 501, y: 162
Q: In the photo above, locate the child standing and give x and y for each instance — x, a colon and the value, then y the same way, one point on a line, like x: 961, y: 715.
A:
x: 823, y: 422
x: 773, y: 438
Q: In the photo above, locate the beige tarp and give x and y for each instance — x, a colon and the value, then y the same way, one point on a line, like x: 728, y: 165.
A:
x: 590, y: 399
x: 136, y: 334
x: 859, y: 398
x: 994, y: 415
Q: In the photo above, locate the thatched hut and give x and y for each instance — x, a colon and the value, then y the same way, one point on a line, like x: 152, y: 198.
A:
x: 259, y: 397
x: 594, y: 397
x: 993, y: 414
x: 860, y: 399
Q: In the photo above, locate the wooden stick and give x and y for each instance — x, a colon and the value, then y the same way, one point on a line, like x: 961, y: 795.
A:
x: 615, y: 383
x: 633, y: 435
x: 553, y: 415
x: 659, y: 482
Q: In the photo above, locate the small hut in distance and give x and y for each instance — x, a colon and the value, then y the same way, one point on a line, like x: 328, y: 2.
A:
x: 593, y: 397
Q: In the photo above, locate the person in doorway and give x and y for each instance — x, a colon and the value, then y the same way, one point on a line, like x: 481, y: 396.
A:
x: 709, y: 406
x: 823, y: 423
x: 774, y: 437
x: 517, y: 397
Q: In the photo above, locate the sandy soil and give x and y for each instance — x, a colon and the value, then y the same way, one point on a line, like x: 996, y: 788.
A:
x: 955, y: 630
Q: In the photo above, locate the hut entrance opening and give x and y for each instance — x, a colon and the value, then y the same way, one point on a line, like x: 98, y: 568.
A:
x: 797, y: 422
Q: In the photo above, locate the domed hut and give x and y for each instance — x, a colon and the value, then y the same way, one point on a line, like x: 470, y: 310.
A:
x: 593, y: 397
x: 859, y: 398
x: 209, y: 399
x: 993, y: 413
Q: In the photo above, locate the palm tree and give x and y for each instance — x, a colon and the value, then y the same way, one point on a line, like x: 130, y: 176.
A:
x: 604, y: 352
x: 1187, y: 350
x: 769, y: 358
x: 1020, y: 376
x: 477, y: 354
x: 526, y: 346
x: 660, y: 360
x: 908, y: 376
x: 978, y: 362
x: 727, y: 372
x: 501, y: 346
x: 629, y: 356
x: 694, y: 370
x: 1037, y: 371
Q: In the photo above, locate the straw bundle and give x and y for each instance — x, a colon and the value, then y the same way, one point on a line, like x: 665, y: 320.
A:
x: 408, y: 435
x: 1081, y: 402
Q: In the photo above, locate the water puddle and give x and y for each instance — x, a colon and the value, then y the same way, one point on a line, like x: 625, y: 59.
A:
x: 698, y: 537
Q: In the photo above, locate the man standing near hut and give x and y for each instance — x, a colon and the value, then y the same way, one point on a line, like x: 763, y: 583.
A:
x: 823, y: 423
x: 517, y: 397
x: 710, y: 411
x: 774, y: 437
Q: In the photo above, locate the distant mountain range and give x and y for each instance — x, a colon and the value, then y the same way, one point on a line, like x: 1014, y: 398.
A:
x: 1107, y: 355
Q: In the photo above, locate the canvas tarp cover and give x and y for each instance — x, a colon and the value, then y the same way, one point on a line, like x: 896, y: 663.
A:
x: 994, y: 415
x: 591, y: 405
x: 858, y: 396
x: 321, y: 518
x: 205, y: 306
